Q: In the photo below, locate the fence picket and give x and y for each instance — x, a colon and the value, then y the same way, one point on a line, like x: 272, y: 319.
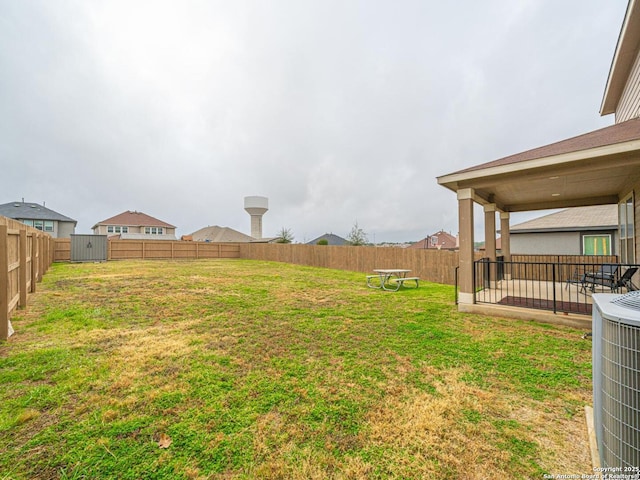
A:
x: 23, y: 268
x: 4, y: 283
x: 25, y: 254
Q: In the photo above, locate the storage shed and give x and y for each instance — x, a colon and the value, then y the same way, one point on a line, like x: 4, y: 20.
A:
x: 89, y: 248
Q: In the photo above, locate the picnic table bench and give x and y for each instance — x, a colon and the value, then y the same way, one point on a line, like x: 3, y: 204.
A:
x: 390, y: 279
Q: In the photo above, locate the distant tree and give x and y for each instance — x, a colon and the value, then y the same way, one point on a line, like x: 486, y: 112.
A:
x: 284, y: 236
x: 322, y: 241
x: 357, y: 236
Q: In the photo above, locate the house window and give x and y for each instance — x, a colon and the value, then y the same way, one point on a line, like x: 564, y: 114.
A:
x: 596, y: 244
x: 627, y: 229
x: 153, y: 230
x: 44, y: 225
x: 117, y: 229
x: 434, y: 241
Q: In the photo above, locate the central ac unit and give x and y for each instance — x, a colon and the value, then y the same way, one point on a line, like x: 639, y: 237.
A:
x: 616, y: 378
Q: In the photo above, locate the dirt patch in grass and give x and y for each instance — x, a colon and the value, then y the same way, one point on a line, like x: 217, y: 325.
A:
x: 419, y: 434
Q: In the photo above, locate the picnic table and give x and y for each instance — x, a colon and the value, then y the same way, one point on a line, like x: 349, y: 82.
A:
x: 390, y: 279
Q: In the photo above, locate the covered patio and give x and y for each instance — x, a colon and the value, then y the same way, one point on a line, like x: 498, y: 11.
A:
x: 600, y: 167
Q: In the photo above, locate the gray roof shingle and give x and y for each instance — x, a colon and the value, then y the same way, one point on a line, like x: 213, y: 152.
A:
x: 31, y: 211
x: 614, y: 134
x: 218, y: 234
x: 604, y: 217
x: 331, y: 239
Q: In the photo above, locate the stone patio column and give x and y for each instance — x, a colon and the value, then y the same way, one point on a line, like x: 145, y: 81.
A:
x: 490, y: 239
x: 466, y: 256
x: 505, y: 240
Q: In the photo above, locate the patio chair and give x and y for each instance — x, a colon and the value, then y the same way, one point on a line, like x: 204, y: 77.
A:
x: 625, y: 281
x: 606, y: 276
x: 576, y: 279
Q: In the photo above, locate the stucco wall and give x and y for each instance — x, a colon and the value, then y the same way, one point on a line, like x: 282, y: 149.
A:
x: 64, y: 229
x: 556, y: 243
x: 102, y: 230
x: 560, y: 243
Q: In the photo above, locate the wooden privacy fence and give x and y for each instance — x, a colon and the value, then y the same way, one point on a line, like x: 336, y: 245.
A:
x: 430, y: 265
x: 25, y: 255
x: 158, y: 249
x: 61, y: 249
x: 154, y: 249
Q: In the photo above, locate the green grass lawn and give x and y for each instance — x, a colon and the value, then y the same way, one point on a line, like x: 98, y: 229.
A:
x: 246, y: 369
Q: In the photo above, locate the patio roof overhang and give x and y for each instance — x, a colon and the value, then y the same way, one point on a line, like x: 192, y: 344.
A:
x: 592, y: 169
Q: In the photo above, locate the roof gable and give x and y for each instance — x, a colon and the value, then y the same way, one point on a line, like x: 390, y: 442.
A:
x: 331, y: 238
x: 443, y: 240
x: 623, y: 59
x: 134, y: 219
x: 218, y: 234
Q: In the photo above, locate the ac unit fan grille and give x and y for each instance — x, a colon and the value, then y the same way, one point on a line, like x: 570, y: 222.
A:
x: 630, y: 300
x: 620, y: 390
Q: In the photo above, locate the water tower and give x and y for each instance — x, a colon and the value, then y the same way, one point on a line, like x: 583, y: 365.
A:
x: 256, y: 207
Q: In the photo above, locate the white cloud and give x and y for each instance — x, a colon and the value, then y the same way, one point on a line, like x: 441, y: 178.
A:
x: 335, y: 111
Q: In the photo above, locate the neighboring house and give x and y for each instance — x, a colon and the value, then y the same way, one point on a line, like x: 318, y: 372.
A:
x: 597, y: 168
x: 331, y: 240
x: 216, y: 234
x: 574, y: 231
x: 440, y: 240
x: 479, y: 247
x: 393, y: 245
x: 135, y: 225
x: 40, y: 217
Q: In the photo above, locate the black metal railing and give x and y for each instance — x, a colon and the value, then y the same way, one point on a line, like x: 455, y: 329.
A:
x: 455, y: 284
x: 561, y: 287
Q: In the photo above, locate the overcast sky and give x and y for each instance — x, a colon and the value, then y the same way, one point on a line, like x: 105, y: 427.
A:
x: 337, y: 111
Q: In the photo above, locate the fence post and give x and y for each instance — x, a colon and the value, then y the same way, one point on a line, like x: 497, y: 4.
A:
x: 22, y: 286
x: 553, y: 280
x: 49, y: 252
x: 34, y: 262
x: 474, y: 266
x: 40, y: 258
x: 4, y: 284
x: 45, y: 254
